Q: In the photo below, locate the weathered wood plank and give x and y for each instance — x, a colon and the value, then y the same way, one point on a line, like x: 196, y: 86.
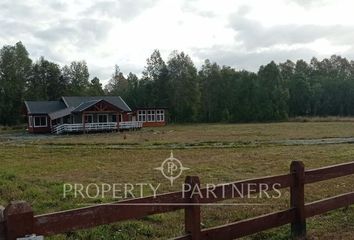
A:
x: 326, y: 173
x: 60, y: 222
x: 297, y: 200
x: 49, y: 224
x: 227, y: 191
x: 328, y: 204
x: 249, y: 226
x: 82, y: 218
x: 192, y: 216
x: 19, y: 220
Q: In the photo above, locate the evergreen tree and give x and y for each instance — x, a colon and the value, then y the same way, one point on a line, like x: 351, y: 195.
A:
x: 118, y: 84
x: 95, y: 88
x: 156, y: 72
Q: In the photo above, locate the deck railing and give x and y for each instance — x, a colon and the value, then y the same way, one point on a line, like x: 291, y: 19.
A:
x: 19, y: 219
x: 79, y: 127
x: 130, y: 125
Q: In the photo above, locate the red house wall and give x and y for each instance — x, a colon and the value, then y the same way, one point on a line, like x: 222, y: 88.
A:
x: 126, y: 117
x: 34, y: 129
x: 154, y: 124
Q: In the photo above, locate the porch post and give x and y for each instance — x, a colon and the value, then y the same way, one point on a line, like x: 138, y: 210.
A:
x: 117, y: 118
x: 83, y: 122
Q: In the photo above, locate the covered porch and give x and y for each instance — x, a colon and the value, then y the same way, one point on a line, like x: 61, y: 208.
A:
x: 97, y: 115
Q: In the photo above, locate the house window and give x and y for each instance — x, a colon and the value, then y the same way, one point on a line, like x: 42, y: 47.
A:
x: 160, y: 115
x: 30, y: 121
x: 40, y: 121
x: 142, y: 116
x: 89, y: 118
x: 151, y: 115
x: 102, y: 118
x: 114, y: 118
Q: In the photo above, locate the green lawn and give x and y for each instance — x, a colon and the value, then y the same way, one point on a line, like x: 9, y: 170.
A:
x: 34, y: 168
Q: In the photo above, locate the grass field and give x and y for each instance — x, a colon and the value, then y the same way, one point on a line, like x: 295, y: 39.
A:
x: 34, y: 168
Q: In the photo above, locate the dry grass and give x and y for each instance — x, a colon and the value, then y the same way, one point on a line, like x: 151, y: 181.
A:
x: 34, y: 170
x: 199, y: 134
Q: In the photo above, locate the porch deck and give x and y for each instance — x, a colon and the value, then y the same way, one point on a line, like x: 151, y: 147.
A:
x: 92, y: 127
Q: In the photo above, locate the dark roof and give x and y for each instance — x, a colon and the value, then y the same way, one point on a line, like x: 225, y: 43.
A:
x: 61, y: 113
x: 149, y: 108
x: 44, y: 107
x: 77, y: 101
x: 85, y: 105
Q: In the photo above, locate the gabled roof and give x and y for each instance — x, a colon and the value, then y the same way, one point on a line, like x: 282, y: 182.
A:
x: 44, y: 107
x: 61, y: 113
x: 114, y: 100
x: 83, y: 106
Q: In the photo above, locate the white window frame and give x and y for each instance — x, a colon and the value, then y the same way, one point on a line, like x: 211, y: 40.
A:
x: 88, y: 115
x: 160, y: 115
x: 142, y: 115
x: 39, y: 126
x: 98, y: 118
x: 150, y: 115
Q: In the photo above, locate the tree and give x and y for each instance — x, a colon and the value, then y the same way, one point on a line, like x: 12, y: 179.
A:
x: 245, y: 97
x: 15, y: 67
x: 211, y: 91
x: 95, y: 88
x: 273, y: 94
x: 133, y: 98
x: 45, y: 81
x: 77, y: 75
x: 185, y: 96
x: 156, y: 72
x: 118, y: 84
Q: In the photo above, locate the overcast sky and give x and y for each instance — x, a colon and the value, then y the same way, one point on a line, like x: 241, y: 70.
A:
x: 241, y: 34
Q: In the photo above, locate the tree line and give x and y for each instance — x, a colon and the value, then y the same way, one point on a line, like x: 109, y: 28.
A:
x: 213, y: 93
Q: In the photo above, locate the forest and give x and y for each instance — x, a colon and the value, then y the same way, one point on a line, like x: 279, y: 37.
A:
x: 212, y: 93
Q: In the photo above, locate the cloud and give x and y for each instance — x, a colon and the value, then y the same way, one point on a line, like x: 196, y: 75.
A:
x: 124, y: 32
x: 252, y: 34
x: 310, y: 3
x: 125, y: 10
x: 250, y: 60
x: 84, y: 31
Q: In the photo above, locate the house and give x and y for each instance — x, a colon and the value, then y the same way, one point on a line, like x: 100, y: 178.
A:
x: 85, y: 114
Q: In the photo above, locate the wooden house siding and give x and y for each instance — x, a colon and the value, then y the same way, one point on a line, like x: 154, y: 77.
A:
x: 75, y: 114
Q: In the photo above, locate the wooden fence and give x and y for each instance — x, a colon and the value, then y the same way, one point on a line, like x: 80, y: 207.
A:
x: 18, y: 219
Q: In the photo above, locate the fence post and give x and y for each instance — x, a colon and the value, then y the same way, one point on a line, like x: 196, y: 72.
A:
x: 192, y: 212
x: 18, y: 216
x: 297, y: 200
x: 2, y: 227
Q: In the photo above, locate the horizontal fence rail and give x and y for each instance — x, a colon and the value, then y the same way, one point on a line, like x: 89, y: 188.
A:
x: 21, y: 214
x: 326, y: 173
x: 130, y: 125
x: 102, y: 126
